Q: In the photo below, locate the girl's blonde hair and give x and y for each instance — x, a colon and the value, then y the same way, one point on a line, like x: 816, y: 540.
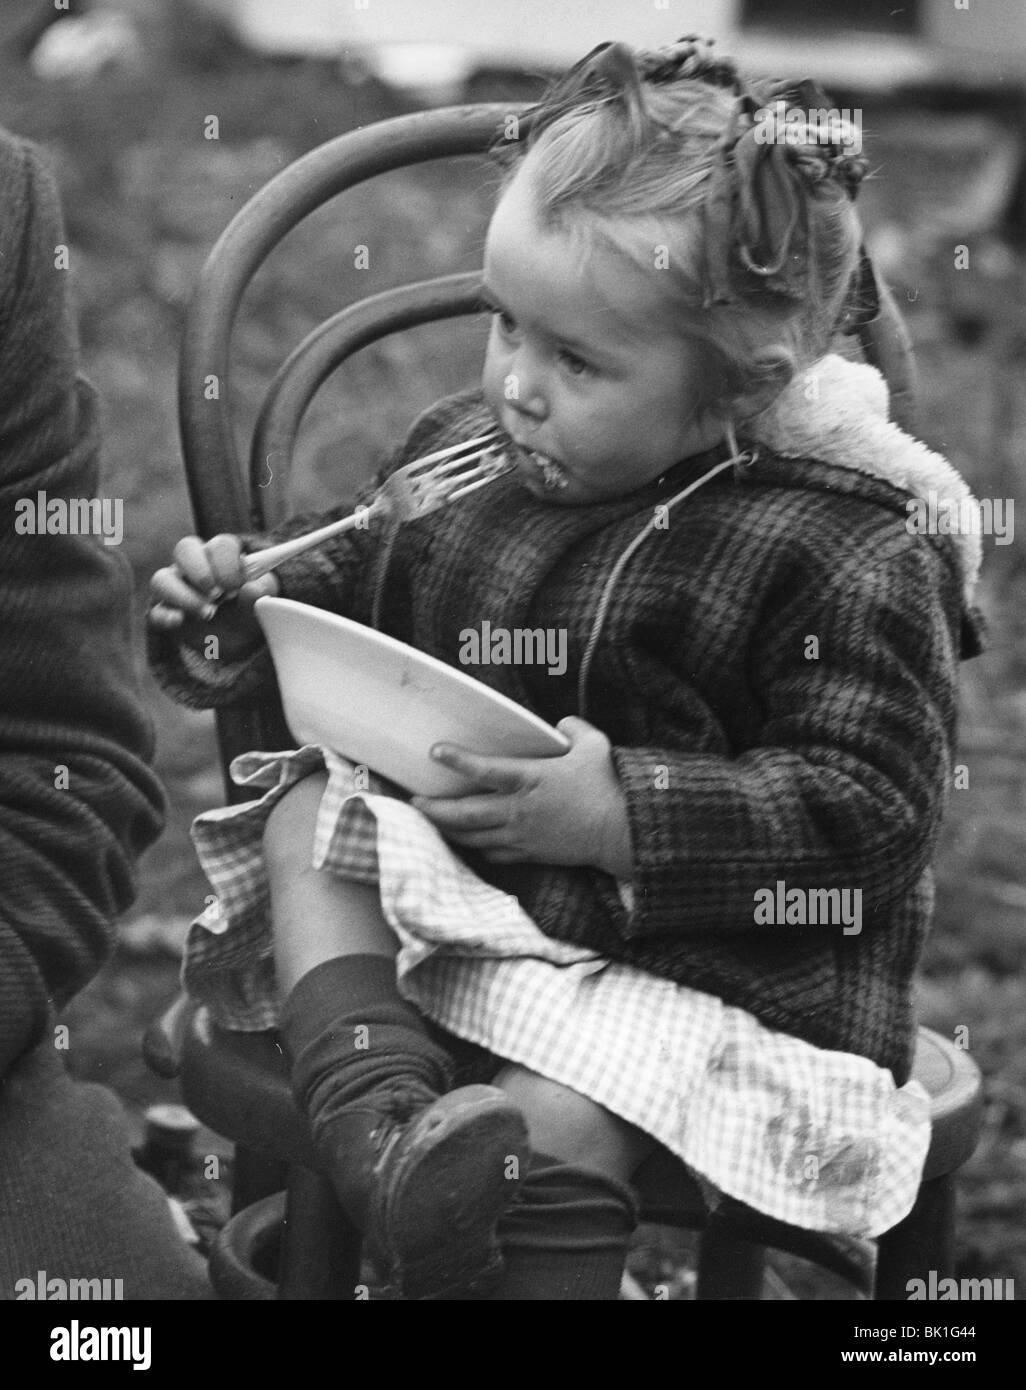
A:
x: 652, y: 153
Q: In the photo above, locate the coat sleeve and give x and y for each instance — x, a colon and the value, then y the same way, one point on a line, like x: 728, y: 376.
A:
x: 77, y: 801
x: 846, y: 783
x: 340, y: 576
x: 331, y: 580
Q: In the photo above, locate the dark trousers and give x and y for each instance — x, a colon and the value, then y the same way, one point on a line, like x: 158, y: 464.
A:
x: 72, y: 1202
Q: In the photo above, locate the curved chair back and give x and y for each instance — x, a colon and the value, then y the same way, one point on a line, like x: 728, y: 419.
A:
x: 216, y: 479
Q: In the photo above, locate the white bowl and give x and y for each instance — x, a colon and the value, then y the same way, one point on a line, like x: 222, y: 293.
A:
x: 377, y: 701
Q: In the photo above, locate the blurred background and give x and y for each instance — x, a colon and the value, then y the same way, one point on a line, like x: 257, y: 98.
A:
x: 120, y: 92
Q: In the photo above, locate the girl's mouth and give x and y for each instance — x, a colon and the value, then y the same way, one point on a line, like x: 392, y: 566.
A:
x: 552, y: 474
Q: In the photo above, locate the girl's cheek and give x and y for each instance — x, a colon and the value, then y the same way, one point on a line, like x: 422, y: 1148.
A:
x: 489, y: 378
x: 493, y: 377
x: 488, y: 367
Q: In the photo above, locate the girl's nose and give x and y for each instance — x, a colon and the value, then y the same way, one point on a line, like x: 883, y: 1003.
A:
x: 525, y: 388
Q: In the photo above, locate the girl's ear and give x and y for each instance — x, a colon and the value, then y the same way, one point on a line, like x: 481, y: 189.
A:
x: 772, y: 369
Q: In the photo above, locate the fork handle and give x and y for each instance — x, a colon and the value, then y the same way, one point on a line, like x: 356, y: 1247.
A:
x: 261, y: 562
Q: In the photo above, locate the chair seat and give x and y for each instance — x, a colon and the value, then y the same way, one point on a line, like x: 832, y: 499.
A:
x: 237, y: 1083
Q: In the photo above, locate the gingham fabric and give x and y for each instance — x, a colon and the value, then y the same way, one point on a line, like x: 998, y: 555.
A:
x: 819, y: 1139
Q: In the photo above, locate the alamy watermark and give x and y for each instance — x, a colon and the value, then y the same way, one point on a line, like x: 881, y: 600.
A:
x: 971, y: 1290
x: 70, y: 516
x: 780, y: 125
x: 518, y: 646
x: 44, y: 1288
x: 84, y: 1343
x: 963, y: 516
x: 812, y: 907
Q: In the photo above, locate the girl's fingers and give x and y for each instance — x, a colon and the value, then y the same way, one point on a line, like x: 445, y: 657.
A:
x: 167, y: 618
x: 193, y: 565
x: 485, y: 841
x: 169, y: 590
x: 576, y: 728
x: 490, y: 845
x: 469, y: 813
x: 502, y: 854
x: 253, y: 589
x: 214, y: 567
x: 224, y: 557
x: 500, y: 774
x: 202, y: 575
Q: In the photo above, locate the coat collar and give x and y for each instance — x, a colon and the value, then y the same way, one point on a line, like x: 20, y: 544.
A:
x: 836, y: 413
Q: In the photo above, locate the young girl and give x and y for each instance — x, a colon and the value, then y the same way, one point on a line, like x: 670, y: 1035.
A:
x: 698, y: 927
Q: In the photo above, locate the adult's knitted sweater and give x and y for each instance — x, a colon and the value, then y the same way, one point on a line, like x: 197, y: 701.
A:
x: 77, y: 803
x: 749, y: 755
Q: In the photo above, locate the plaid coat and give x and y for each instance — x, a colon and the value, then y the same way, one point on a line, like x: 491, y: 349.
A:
x: 748, y: 753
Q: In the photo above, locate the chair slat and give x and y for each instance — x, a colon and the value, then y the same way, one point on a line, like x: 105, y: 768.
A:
x: 324, y: 349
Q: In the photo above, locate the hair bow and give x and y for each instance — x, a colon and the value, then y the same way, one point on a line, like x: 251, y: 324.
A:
x: 756, y: 207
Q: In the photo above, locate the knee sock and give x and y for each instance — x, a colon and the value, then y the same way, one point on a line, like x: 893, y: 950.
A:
x: 567, y: 1238
x: 354, y: 1046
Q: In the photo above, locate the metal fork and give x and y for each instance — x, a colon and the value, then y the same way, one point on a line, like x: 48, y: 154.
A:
x: 410, y: 492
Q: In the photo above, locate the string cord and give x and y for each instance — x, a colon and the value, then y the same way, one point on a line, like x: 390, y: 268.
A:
x: 606, y: 598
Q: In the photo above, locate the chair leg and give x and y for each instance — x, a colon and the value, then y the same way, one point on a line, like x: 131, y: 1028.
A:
x: 924, y: 1241
x: 320, y: 1250
x: 244, y: 1252
x: 729, y: 1267
x: 254, y: 1177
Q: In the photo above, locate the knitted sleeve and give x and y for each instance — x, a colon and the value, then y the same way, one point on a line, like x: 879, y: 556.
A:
x: 77, y: 802
x: 846, y: 784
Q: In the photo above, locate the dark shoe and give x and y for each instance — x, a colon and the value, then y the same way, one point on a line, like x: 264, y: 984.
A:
x: 445, y: 1171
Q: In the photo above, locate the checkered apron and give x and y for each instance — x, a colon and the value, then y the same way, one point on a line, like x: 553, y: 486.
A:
x: 819, y: 1139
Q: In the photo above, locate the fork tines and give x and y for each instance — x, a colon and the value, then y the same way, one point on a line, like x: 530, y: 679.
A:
x: 488, y: 477
x: 451, y: 473
x: 490, y: 439
x: 456, y: 479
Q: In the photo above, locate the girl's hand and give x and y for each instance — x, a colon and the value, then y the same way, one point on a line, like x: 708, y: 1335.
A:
x: 568, y: 810
x: 204, y: 594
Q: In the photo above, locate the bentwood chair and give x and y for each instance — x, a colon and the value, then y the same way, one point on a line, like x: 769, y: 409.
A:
x: 287, y: 1238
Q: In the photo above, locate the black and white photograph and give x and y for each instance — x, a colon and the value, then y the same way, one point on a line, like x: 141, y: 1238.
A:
x: 513, y: 694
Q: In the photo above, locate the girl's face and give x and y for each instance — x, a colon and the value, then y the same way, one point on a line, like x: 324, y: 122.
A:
x: 582, y: 367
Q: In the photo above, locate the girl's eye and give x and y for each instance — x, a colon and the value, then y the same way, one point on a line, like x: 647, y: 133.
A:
x: 575, y: 365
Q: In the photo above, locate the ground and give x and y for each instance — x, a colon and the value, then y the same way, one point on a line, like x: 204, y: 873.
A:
x: 146, y: 195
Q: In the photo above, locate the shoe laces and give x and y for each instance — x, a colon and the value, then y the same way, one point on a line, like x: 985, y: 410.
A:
x: 396, y: 1108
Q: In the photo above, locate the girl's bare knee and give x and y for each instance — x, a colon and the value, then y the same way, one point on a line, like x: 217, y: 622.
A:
x: 565, y: 1124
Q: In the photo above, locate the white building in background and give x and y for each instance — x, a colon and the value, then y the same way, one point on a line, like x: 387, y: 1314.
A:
x: 438, y: 43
